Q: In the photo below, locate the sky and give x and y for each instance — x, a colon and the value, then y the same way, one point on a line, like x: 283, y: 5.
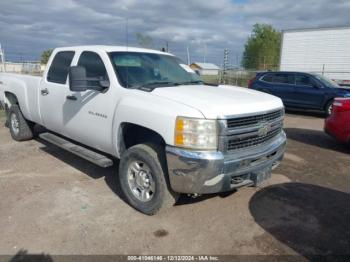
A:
x: 28, y: 27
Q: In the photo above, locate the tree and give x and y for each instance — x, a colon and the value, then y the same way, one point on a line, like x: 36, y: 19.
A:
x: 144, y: 40
x: 45, y: 55
x: 262, y: 49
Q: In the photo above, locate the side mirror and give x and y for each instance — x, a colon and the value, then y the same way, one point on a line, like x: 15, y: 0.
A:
x: 77, y: 79
x: 79, y: 82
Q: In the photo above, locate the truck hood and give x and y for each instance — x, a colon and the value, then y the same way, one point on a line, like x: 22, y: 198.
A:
x: 220, y: 101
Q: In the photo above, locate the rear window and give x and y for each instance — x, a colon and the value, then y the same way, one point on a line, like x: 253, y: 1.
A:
x: 283, y: 79
x: 59, y: 68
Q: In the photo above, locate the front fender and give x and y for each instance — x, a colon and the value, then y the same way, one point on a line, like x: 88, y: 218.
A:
x: 150, y: 111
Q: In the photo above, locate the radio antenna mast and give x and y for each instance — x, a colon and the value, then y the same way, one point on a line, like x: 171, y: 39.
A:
x: 127, y: 46
x: 2, y: 56
x: 127, y: 31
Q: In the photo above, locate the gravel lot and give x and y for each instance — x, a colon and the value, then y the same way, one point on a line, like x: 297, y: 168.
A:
x: 53, y: 202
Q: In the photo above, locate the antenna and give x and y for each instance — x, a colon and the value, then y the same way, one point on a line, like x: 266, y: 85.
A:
x: 127, y: 32
x: 127, y: 47
x: 2, y: 55
x: 188, y: 56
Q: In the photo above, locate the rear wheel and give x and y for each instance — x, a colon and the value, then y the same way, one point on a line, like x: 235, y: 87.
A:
x: 143, y: 179
x: 20, y: 128
x: 329, y: 108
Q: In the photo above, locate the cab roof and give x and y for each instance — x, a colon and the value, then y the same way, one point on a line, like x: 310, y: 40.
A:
x: 107, y: 48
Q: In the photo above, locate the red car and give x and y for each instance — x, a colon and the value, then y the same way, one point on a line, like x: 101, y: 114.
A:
x: 338, y: 123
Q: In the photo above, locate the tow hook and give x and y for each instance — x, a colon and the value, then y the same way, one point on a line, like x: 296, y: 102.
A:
x: 237, y: 180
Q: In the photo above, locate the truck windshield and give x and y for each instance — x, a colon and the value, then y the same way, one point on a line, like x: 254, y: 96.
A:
x: 136, y: 70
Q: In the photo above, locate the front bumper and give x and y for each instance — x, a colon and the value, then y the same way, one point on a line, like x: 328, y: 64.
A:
x: 200, y: 172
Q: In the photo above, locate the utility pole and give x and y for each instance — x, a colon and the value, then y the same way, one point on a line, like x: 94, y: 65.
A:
x: 167, y: 46
x: 188, y: 56
x: 205, y: 53
x: 225, y: 64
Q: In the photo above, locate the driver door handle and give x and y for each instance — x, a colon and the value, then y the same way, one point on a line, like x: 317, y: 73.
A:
x: 72, y: 98
x: 44, y: 91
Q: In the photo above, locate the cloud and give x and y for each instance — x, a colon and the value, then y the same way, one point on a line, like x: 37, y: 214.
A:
x: 27, y: 27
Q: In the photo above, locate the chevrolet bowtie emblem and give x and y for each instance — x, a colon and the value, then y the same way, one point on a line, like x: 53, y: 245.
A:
x: 264, y: 129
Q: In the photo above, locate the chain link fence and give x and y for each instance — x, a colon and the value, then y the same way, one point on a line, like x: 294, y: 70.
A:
x: 31, y: 68
x: 239, y: 77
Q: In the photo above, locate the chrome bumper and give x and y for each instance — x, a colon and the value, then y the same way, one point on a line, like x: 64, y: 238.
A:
x: 203, y: 172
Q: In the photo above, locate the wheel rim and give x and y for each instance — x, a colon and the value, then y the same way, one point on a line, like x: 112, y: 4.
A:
x: 330, y: 108
x: 140, y: 181
x: 14, y: 123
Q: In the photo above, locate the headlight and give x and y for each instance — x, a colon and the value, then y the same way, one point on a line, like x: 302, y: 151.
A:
x: 195, y: 133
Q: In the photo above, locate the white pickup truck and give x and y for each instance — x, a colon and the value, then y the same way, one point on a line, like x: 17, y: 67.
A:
x: 172, y: 132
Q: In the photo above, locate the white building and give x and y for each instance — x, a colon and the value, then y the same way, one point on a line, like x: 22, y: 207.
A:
x: 205, y: 68
x: 322, y: 50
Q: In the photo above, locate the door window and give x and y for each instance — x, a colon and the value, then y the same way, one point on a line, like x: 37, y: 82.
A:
x: 304, y: 80
x: 283, y: 79
x: 267, y: 78
x: 93, y: 64
x: 59, y: 68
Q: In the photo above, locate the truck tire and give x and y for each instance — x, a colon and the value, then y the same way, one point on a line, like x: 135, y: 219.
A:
x: 144, y: 179
x: 20, y: 128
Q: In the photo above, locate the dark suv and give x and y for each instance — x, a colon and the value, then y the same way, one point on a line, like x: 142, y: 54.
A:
x: 300, y: 90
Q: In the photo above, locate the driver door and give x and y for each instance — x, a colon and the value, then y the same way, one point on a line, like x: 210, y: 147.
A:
x: 307, y: 93
x: 88, y: 115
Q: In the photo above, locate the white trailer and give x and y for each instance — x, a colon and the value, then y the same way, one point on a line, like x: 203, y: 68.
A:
x: 323, y: 50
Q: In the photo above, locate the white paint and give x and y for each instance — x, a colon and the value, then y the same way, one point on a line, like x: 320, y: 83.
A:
x: 310, y: 50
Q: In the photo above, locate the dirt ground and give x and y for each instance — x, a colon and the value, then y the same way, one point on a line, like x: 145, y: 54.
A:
x: 55, y: 203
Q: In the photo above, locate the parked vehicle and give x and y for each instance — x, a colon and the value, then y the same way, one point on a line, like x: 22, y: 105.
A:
x: 300, y: 90
x: 172, y: 133
x: 338, y: 123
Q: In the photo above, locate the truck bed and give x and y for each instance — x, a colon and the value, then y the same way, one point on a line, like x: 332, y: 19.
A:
x: 26, y: 87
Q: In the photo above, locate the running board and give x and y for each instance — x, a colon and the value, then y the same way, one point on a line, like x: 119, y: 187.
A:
x: 81, y: 151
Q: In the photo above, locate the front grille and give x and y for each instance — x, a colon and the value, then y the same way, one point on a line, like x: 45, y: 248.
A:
x: 252, y: 120
x: 236, y: 143
x: 245, y: 132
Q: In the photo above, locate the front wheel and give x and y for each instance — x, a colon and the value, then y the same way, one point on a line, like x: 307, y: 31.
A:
x: 143, y: 179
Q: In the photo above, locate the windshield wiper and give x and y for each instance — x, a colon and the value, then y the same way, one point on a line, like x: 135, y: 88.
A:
x: 152, y: 85
x: 190, y: 82
x: 197, y: 82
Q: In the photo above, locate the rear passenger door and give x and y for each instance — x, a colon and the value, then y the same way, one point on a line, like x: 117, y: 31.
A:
x: 308, y: 93
x: 53, y: 90
x: 280, y: 85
